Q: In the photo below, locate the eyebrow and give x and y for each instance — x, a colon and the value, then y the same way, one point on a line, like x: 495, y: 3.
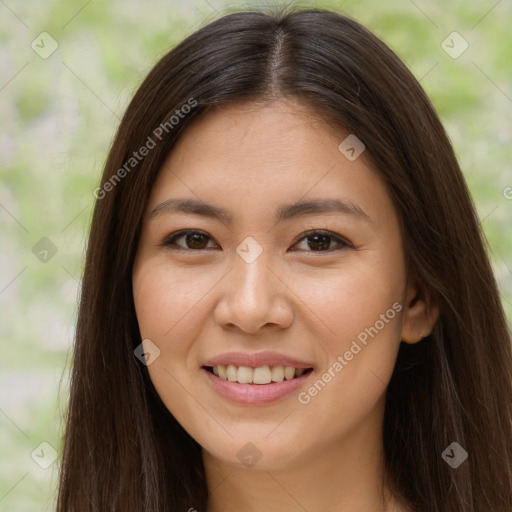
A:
x: 284, y: 212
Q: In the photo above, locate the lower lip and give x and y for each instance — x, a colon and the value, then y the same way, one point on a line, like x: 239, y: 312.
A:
x: 255, y: 394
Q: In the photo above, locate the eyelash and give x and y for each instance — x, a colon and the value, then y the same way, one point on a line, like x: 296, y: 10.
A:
x: 169, y: 242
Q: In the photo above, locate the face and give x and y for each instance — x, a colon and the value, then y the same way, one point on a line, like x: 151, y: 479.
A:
x: 262, y: 284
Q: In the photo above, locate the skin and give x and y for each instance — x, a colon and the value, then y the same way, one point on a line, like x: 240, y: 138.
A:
x: 326, y: 455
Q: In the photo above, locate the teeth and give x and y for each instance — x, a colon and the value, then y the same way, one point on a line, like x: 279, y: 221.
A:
x: 244, y: 375
x: 222, y: 372
x: 289, y: 372
x: 277, y: 374
x: 231, y: 372
x: 260, y: 375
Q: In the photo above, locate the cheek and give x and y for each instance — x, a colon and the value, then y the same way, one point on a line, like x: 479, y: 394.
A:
x: 353, y: 298
x: 172, y: 310
x: 168, y: 309
x: 165, y: 300
x: 360, y: 308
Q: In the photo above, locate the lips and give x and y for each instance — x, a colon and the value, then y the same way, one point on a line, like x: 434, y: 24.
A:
x: 254, y: 394
x: 256, y: 359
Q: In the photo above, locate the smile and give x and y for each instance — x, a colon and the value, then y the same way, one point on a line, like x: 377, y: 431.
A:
x: 256, y: 391
x: 260, y: 375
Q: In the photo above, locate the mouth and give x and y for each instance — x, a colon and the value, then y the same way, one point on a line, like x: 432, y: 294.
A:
x: 259, y: 386
x: 260, y: 376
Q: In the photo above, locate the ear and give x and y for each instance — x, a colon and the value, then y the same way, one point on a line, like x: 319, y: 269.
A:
x: 420, y: 313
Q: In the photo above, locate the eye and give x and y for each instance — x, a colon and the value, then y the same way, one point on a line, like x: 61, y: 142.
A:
x: 319, y: 241
x: 194, y: 240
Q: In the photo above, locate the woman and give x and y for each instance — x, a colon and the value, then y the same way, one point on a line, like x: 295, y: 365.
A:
x: 286, y: 299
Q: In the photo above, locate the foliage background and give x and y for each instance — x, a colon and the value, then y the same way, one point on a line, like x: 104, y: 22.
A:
x: 58, y: 116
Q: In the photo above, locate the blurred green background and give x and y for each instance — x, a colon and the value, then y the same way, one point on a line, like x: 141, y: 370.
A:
x: 59, y: 112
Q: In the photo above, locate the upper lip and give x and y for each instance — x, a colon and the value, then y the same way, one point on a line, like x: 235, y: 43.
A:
x: 256, y: 359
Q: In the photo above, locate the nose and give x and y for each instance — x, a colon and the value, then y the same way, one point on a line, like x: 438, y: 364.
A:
x: 253, y: 296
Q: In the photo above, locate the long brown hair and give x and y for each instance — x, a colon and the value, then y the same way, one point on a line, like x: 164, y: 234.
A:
x: 123, y: 450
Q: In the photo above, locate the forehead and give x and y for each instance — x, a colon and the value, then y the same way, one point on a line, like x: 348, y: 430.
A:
x: 250, y: 157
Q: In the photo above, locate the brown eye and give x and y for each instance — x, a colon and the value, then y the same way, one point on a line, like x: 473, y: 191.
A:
x: 194, y: 240
x: 320, y: 241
